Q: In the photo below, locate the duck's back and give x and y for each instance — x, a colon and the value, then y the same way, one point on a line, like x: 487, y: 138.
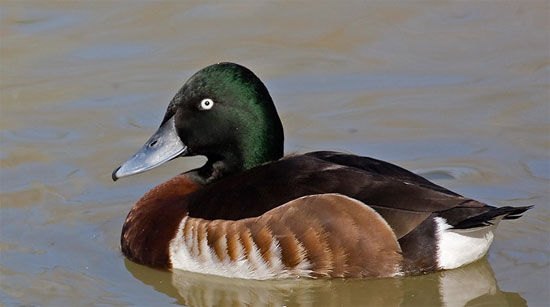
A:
x: 384, y: 186
x: 417, y: 210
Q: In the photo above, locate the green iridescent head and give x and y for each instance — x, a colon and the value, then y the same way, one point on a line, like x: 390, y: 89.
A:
x: 223, y: 112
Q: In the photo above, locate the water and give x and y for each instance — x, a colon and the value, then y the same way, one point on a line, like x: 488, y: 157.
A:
x: 455, y: 91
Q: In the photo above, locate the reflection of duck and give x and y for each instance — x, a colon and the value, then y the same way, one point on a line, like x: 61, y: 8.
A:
x: 471, y: 285
x: 249, y: 212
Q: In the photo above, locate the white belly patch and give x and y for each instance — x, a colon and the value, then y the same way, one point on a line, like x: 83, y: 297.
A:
x: 458, y: 247
x: 192, y: 253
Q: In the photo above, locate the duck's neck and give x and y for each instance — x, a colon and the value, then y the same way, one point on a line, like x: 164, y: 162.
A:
x: 258, y: 141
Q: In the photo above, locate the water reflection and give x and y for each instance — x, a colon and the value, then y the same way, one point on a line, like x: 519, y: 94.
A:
x: 472, y: 285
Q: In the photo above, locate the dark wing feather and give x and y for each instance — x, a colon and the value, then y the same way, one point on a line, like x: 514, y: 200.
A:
x: 378, y: 167
x: 403, y: 199
x: 487, y: 218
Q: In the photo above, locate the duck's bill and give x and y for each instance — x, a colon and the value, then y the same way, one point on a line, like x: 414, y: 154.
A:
x: 162, y: 147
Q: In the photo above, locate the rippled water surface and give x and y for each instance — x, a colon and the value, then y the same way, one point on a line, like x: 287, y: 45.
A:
x: 455, y: 91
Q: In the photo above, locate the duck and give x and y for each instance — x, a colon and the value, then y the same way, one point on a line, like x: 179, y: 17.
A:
x: 251, y: 212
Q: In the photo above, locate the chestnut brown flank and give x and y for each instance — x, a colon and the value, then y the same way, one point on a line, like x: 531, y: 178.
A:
x: 330, y: 235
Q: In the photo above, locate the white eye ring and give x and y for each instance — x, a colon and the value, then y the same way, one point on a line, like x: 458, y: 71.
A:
x: 206, y: 104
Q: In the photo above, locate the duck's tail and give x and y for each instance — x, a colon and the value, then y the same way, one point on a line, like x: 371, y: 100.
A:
x: 492, y: 216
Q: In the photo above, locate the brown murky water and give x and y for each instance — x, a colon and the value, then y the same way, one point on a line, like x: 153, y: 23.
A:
x: 455, y: 91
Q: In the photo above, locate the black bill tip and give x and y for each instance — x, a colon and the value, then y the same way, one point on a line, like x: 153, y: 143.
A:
x: 113, y: 175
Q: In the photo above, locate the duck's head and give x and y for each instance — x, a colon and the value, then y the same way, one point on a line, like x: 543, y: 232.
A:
x: 223, y: 112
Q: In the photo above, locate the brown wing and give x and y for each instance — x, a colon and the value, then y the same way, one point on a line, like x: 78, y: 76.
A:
x: 378, y: 167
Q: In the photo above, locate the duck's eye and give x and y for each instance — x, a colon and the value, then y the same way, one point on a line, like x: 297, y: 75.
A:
x: 206, y: 104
